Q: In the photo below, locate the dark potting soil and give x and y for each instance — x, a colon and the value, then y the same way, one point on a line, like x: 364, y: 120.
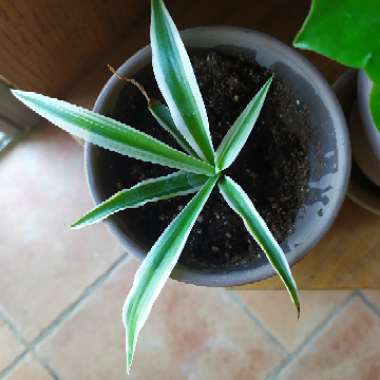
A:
x: 272, y: 168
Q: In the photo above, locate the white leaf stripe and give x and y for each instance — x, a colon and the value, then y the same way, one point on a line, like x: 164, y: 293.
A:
x: 157, y: 266
x: 239, y: 201
x: 110, y: 134
x: 151, y: 190
x: 176, y: 80
x: 238, y: 134
x: 162, y: 115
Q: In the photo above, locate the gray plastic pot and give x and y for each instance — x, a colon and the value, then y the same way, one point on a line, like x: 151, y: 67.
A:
x: 329, y: 154
x: 365, y: 136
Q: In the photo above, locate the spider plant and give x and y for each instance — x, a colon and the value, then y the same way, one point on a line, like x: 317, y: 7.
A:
x: 200, y: 168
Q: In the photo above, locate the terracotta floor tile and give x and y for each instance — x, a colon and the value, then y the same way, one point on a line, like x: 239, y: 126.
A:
x: 95, y: 335
x: 275, y: 310
x: 29, y: 369
x: 373, y: 296
x: 188, y: 326
x: 238, y: 350
x: 347, y: 349
x: 10, y: 347
x: 44, y: 265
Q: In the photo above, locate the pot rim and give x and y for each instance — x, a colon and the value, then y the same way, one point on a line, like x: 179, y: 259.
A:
x: 364, y: 87
x: 242, y: 276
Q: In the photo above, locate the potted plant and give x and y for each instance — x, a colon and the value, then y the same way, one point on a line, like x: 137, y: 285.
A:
x: 347, y: 31
x: 293, y: 159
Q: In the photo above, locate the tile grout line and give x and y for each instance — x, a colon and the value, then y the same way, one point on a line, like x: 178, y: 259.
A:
x: 61, y: 318
x: 69, y: 310
x: 25, y: 352
x: 15, y: 331
x: 52, y: 372
x: 11, y: 366
x: 312, y: 336
x: 371, y: 306
x: 188, y: 366
x: 5, y: 318
x: 235, y: 298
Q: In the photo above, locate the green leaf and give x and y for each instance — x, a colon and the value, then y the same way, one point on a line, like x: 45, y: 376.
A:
x: 176, y: 80
x: 239, y: 201
x: 157, y: 266
x: 238, y: 134
x: 346, y: 31
x: 151, y: 190
x: 162, y: 114
x: 110, y: 134
x: 374, y: 102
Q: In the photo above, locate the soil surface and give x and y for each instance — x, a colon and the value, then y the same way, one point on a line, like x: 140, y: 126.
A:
x: 272, y: 168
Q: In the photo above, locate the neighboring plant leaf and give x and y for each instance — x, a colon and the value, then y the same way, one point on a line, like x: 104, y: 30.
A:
x: 348, y: 32
x: 238, y: 134
x: 374, y: 102
x: 176, y: 80
x: 238, y: 200
x: 162, y: 114
x: 151, y: 190
x: 157, y: 266
x: 110, y: 134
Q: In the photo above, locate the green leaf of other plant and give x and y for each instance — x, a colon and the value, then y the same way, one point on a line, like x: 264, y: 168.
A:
x: 162, y: 115
x: 151, y: 190
x: 238, y: 134
x: 239, y: 201
x: 348, y: 32
x: 157, y: 266
x: 110, y: 134
x: 176, y: 80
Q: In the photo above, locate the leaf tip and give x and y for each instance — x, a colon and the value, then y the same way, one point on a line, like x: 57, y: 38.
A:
x: 84, y: 221
x: 268, y: 84
x: 76, y: 225
x: 79, y: 223
x: 25, y: 97
x: 296, y: 301
x: 17, y: 93
x: 129, y: 359
x: 265, y: 88
x: 299, y: 43
x: 297, y: 40
x: 129, y: 365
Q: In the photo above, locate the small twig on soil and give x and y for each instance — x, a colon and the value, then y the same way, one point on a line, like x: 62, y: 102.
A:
x: 131, y: 81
